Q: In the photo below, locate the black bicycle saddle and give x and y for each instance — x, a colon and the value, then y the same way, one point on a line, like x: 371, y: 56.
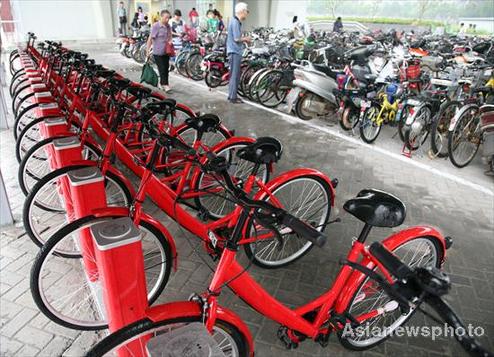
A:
x: 376, y: 208
x: 264, y: 150
x: 204, y: 123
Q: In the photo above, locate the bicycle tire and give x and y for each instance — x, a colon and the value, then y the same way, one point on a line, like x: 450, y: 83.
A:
x: 451, y: 150
x: 67, y: 231
x: 439, y: 254
x: 29, y: 215
x: 21, y: 174
x: 306, y: 246
x: 145, y: 326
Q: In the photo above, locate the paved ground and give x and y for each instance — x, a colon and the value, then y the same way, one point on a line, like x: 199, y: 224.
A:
x: 459, y: 202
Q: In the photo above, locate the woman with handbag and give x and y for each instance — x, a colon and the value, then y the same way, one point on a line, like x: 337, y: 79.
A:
x: 161, y: 40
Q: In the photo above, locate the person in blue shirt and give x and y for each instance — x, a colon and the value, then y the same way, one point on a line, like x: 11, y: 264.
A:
x: 234, y: 48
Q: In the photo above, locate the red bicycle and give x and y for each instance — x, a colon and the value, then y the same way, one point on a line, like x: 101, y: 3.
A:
x: 353, y: 299
x: 306, y: 193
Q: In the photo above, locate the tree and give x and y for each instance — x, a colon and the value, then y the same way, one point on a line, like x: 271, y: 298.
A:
x: 376, y: 4
x: 424, y: 5
x: 332, y: 6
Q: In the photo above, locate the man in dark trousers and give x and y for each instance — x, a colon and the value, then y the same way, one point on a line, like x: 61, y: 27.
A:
x: 122, y: 19
x: 234, y: 47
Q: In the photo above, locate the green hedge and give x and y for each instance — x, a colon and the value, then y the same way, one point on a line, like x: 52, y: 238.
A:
x: 381, y: 20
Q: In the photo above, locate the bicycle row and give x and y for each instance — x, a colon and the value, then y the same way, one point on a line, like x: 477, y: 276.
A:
x: 75, y: 118
x: 420, y: 84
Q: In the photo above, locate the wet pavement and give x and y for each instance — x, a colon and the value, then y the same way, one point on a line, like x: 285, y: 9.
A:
x: 458, y: 202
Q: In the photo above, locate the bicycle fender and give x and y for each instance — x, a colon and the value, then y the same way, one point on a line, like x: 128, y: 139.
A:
x: 393, y: 241
x: 124, y: 179
x: 169, y: 238
x: 274, y: 183
x: 192, y: 309
x: 459, y: 114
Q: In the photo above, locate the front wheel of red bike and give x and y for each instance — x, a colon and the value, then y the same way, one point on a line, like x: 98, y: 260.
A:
x: 416, y: 252
x: 230, y: 341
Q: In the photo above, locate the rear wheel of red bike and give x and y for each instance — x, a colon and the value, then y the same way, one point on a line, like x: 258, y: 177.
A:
x: 230, y: 341
x: 416, y: 252
x: 306, y: 197
x: 214, y: 200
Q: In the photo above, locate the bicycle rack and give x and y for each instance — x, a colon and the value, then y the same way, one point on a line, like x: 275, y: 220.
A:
x: 118, y: 251
x: 53, y: 126
x: 192, y: 339
x: 65, y: 151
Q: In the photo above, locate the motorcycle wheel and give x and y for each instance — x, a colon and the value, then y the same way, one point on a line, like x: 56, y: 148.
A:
x: 300, y: 110
x: 213, y: 78
x: 349, y: 118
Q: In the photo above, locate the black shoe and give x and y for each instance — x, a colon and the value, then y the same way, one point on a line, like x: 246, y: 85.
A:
x: 236, y: 101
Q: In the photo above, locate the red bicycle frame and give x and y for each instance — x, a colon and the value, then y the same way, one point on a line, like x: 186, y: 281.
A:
x: 335, y: 300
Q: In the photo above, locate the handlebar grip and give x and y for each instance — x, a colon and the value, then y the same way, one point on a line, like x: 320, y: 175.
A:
x: 392, y: 263
x: 303, y: 229
x: 468, y: 342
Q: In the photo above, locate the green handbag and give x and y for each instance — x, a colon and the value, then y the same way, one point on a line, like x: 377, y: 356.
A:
x: 148, y: 75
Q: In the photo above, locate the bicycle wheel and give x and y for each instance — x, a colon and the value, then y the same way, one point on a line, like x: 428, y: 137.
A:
x: 251, y: 87
x: 193, y: 66
x: 61, y: 287
x: 271, y: 94
x: 29, y: 136
x: 212, y: 200
x: 439, y: 129
x: 369, y: 129
x: 26, y: 115
x: 416, y: 252
x: 231, y: 342
x: 35, y: 164
x: 45, y: 211
x: 307, y: 198
x: 416, y: 134
x: 464, y: 139
x: 180, y: 63
x: 189, y: 136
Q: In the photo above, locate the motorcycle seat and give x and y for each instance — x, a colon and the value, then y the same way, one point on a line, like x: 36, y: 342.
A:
x: 264, y: 150
x: 376, y: 208
x: 324, y: 69
x: 370, y: 77
x: 204, y: 123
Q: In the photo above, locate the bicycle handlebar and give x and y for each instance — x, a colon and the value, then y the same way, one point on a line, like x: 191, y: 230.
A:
x: 430, y: 284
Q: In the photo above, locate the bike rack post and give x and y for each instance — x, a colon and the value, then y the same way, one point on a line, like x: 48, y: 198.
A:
x: 53, y: 126
x: 121, y: 269
x: 66, y: 150
x: 87, y: 192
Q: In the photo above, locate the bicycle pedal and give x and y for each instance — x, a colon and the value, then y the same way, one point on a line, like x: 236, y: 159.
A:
x: 287, y: 341
x: 203, y: 215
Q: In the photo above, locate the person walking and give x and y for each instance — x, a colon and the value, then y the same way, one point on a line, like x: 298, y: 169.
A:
x: 194, y: 17
x: 234, y: 47
x: 161, y: 38
x: 122, y: 19
x: 338, y: 25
